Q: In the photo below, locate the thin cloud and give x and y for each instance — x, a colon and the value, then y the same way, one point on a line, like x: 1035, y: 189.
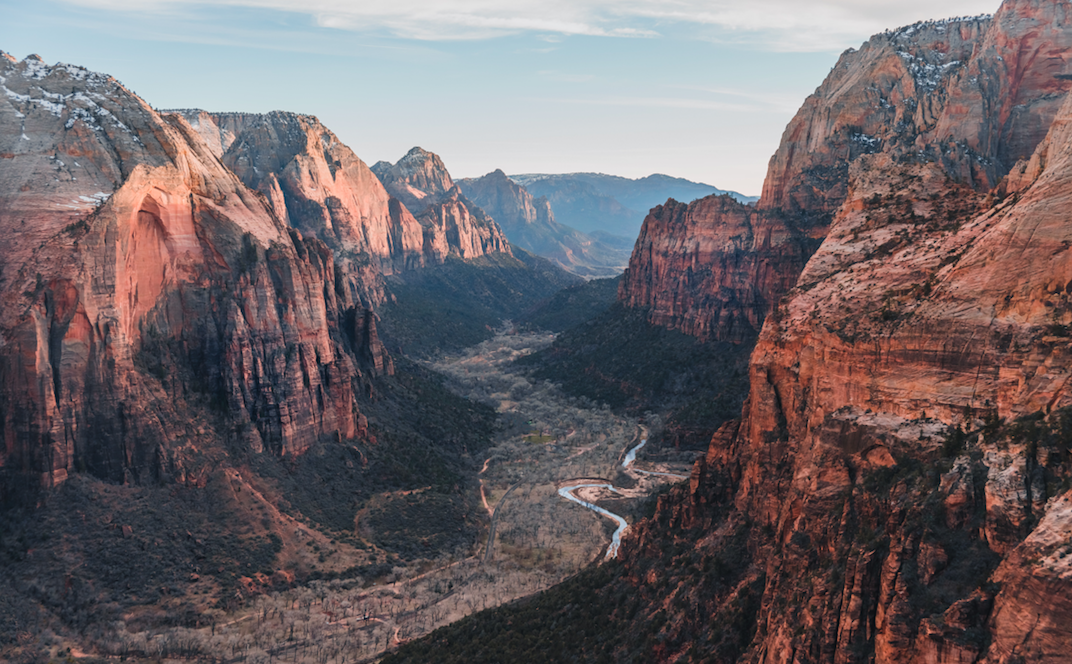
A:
x: 566, y: 77
x: 783, y: 25
x: 784, y: 103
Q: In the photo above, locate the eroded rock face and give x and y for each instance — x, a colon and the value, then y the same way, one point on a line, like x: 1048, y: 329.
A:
x: 1030, y: 617
x: 971, y: 97
x: 712, y: 268
x: 417, y: 179
x: 144, y: 287
x: 927, y: 301
x: 452, y: 224
x: 508, y: 202
x: 937, y: 304
x: 318, y: 185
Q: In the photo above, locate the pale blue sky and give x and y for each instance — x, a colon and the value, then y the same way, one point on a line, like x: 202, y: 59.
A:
x: 700, y: 89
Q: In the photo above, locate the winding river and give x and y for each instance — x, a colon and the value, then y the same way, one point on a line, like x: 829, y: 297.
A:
x: 567, y: 493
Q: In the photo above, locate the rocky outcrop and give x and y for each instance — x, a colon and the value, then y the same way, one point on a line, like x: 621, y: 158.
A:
x: 452, y: 224
x: 1030, y: 617
x: 969, y: 96
x: 918, y: 306
x: 218, y: 130
x: 508, y: 202
x: 530, y: 224
x: 712, y: 268
x: 318, y: 185
x: 455, y: 226
x: 154, y: 307
x: 417, y: 179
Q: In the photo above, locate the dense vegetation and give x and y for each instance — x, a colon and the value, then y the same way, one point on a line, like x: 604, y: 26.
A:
x: 90, y: 552
x: 426, y: 439
x: 461, y: 303
x: 619, y: 358
x: 573, y: 305
x: 605, y: 614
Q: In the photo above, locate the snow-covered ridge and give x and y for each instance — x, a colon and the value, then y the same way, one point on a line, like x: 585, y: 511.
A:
x: 34, y: 68
x: 81, y: 105
x: 415, y: 161
x: 938, y: 25
x: 186, y: 112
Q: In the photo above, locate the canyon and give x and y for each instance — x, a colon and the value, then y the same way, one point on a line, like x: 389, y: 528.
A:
x: 257, y: 244
x: 917, y: 312
x: 204, y: 304
x: 896, y: 487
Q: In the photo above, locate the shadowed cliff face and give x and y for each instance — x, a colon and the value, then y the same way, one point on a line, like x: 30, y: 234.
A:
x: 153, y: 305
x: 970, y: 96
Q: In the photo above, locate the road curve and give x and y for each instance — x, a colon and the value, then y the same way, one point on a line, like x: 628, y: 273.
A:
x: 495, y: 522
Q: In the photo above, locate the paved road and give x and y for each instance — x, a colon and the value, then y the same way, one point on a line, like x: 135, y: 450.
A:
x: 495, y: 521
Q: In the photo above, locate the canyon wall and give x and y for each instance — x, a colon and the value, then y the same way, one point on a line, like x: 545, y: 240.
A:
x: 973, y: 96
x: 157, y: 311
x: 902, y: 463
x: 453, y: 225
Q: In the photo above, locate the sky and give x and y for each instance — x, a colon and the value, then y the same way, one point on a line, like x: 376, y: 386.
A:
x: 700, y: 89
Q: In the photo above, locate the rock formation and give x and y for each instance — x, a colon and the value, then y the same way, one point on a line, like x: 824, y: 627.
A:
x: 452, y: 224
x: 145, y: 288
x: 712, y: 268
x: 529, y: 223
x: 937, y: 304
x: 162, y: 267
x: 417, y: 179
x: 316, y: 184
x: 973, y: 96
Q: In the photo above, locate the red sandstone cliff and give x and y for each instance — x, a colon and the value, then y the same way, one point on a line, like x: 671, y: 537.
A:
x: 145, y: 286
x: 973, y: 96
x: 712, y: 268
x: 878, y: 531
x: 319, y: 186
x: 452, y: 224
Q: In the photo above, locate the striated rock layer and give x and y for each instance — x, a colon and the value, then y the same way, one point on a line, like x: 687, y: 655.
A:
x: 973, y: 96
x: 712, y: 268
x: 316, y: 184
x: 147, y: 290
x: 937, y: 303
x: 453, y: 225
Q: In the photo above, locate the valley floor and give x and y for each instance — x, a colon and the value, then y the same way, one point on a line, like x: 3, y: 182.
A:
x: 547, y: 443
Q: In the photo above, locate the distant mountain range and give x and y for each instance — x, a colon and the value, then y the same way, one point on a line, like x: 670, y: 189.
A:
x: 530, y: 223
x: 612, y: 204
